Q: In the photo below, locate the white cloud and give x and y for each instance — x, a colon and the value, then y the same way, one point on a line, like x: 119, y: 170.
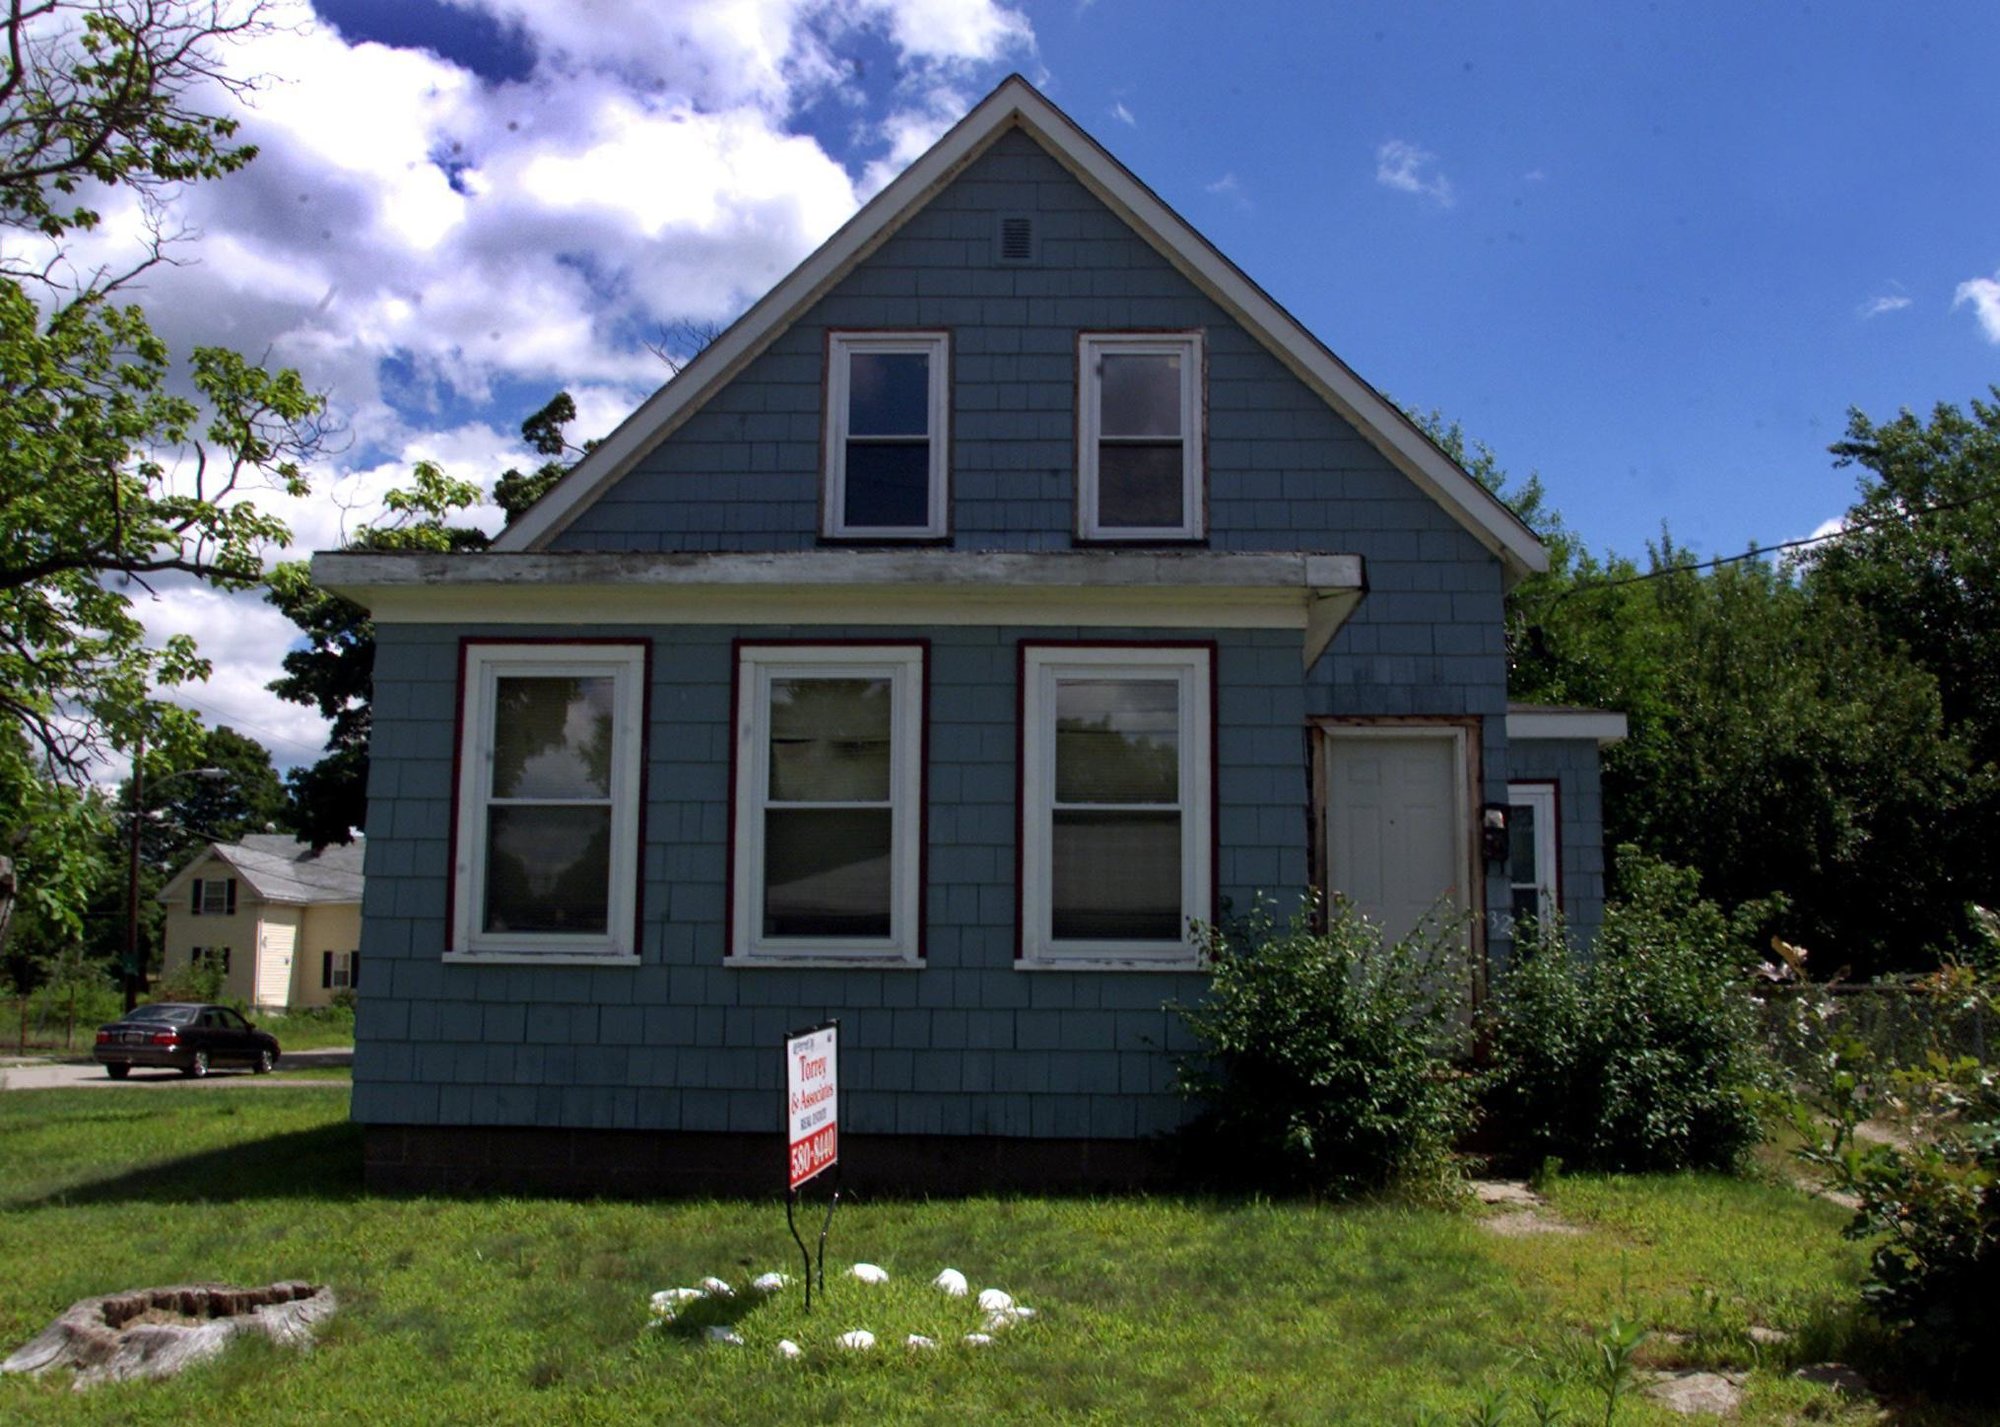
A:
x: 1894, y: 300
x: 1408, y: 168
x: 415, y: 238
x: 1984, y: 295
x: 1122, y: 114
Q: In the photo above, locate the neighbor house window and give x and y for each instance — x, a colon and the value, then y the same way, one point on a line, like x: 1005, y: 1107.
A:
x: 547, y: 853
x: 829, y: 770
x: 214, y: 897
x: 1139, y: 438
x: 339, y: 970
x: 1116, y: 803
x: 887, y: 437
x: 203, y: 955
x: 1531, y: 850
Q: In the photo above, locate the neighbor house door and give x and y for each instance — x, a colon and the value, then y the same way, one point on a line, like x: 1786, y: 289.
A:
x: 274, y: 966
x: 1395, y: 822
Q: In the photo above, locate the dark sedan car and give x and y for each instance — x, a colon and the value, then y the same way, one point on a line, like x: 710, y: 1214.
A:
x: 183, y: 1036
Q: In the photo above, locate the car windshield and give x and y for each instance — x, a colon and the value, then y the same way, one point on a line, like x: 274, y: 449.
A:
x: 174, y: 1015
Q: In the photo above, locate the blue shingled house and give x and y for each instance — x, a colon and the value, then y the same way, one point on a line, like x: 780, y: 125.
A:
x: 1011, y: 585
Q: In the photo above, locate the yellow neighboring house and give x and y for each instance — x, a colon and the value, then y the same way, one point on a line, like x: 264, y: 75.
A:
x: 284, y: 921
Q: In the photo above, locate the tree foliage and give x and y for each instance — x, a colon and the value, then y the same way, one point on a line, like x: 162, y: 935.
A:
x: 119, y: 463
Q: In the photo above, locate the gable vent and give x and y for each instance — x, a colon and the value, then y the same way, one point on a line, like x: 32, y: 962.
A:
x: 1014, y: 240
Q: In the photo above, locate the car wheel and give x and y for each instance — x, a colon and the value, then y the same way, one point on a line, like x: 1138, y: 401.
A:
x: 265, y: 1062
x: 198, y: 1067
x: 117, y: 1072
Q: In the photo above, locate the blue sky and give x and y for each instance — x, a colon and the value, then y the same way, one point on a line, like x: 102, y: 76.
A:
x: 1652, y: 253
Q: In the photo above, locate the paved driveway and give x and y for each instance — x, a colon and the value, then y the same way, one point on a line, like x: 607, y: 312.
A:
x: 65, y: 1074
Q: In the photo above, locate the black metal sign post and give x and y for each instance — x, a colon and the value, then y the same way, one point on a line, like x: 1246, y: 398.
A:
x: 812, y: 1118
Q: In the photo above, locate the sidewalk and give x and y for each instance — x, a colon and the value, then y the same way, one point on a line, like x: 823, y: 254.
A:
x: 71, y: 1072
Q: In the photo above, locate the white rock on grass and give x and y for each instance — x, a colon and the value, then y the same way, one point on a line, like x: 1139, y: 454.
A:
x: 992, y: 1300
x: 788, y: 1349
x: 717, y: 1288
x: 723, y: 1333
x: 768, y: 1282
x: 869, y: 1273
x: 917, y: 1342
x: 951, y: 1282
x: 860, y: 1340
x: 979, y: 1340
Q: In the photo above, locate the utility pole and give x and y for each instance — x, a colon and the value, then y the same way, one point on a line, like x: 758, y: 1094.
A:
x: 133, y: 970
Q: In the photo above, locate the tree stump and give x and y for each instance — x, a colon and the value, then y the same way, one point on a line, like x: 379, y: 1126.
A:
x: 156, y: 1332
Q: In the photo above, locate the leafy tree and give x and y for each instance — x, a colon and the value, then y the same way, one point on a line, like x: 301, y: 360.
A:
x: 335, y: 671
x: 117, y: 463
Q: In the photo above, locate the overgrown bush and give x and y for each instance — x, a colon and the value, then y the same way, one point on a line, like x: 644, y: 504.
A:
x: 1642, y: 1053
x: 1325, y: 1060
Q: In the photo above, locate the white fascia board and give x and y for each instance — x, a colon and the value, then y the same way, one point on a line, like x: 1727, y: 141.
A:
x: 1601, y: 725
x: 1099, y: 589
x: 1016, y: 101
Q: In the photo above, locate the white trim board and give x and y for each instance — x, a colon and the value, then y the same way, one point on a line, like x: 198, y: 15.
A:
x: 1600, y: 725
x: 1096, y: 589
x: 1018, y: 104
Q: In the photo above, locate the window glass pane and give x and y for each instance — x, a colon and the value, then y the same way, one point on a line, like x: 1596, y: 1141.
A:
x: 1139, y: 485
x: 827, y: 872
x: 1140, y: 394
x: 215, y: 897
x: 552, y: 737
x: 1117, y: 741
x: 548, y: 869
x: 1117, y: 876
x: 1521, y: 843
x: 888, y: 485
x: 1527, y: 905
x: 888, y: 393
x: 830, y: 740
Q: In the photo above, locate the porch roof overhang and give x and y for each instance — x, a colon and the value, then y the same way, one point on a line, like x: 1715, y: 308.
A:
x: 1197, y: 589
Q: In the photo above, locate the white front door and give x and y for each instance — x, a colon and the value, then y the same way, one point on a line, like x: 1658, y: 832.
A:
x: 274, y: 967
x: 1395, y: 823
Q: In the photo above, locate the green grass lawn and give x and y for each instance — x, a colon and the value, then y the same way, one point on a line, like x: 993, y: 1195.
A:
x: 1150, y: 1309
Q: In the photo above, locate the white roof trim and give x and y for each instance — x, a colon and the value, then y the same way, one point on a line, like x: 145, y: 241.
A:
x: 1018, y: 103
x: 1087, y: 588
x: 1601, y: 725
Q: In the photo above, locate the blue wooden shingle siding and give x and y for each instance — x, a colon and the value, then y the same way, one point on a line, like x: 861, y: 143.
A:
x: 1573, y: 765
x: 967, y: 1045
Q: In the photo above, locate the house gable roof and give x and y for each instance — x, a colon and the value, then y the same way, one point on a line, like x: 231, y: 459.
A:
x: 280, y: 869
x: 1017, y: 104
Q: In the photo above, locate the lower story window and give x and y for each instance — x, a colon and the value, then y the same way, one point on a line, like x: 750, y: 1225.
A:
x: 547, y: 853
x: 1116, y: 798
x: 210, y: 955
x: 829, y: 801
x: 339, y: 970
x: 1531, y: 851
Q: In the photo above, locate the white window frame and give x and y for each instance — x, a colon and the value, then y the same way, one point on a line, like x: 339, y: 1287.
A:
x: 841, y: 346
x: 215, y: 889
x: 340, y: 971
x: 1541, y: 796
x: 484, y: 666
x: 758, y: 666
x: 1091, y: 348
x: 1044, y: 667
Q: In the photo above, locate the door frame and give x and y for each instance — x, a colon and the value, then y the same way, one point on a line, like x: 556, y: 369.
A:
x: 1465, y: 734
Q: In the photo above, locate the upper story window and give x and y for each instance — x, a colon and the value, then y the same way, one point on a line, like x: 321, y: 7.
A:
x: 546, y: 859
x: 829, y: 802
x: 214, y: 897
x: 1139, y: 456
x: 888, y: 442
x: 1116, y: 804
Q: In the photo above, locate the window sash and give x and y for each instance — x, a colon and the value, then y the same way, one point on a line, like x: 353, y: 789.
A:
x: 1542, y: 845
x: 843, y: 440
x: 1108, y: 489
x: 1053, y: 917
x: 766, y: 916
x: 481, y: 813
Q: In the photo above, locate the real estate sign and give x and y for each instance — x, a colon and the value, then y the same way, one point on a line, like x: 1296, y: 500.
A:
x: 812, y: 1093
